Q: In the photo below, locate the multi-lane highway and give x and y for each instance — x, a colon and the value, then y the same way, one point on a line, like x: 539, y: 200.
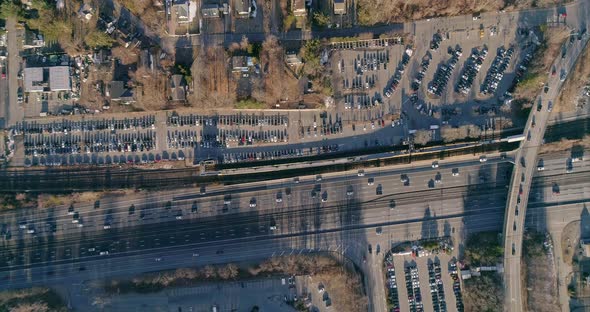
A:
x: 526, y: 159
x: 471, y: 200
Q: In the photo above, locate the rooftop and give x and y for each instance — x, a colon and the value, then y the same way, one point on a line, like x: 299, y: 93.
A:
x: 178, y: 88
x: 45, y: 79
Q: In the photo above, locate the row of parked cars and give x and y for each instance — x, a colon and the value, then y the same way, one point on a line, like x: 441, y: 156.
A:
x: 436, y: 287
x: 497, y: 69
x: 174, y: 119
x: 393, y: 296
x: 363, y: 101
x: 87, y: 125
x: 471, y: 69
x: 413, y: 288
x: 456, y: 286
x: 401, y: 67
x: 421, y: 74
x: 444, y: 72
x: 97, y: 142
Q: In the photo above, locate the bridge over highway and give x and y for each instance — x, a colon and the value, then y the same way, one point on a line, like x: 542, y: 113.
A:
x: 526, y: 162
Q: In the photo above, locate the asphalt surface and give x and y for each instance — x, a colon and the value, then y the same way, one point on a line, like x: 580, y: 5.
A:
x: 304, y: 225
x: 526, y: 159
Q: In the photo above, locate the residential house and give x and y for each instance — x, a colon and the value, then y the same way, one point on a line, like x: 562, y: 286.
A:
x: 86, y: 12
x: 292, y: 59
x: 47, y: 79
x: 210, y: 10
x: 118, y: 92
x: 243, y: 8
x: 298, y: 7
x: 181, y: 9
x: 33, y: 39
x: 241, y: 63
x: 339, y: 7
x: 177, y: 88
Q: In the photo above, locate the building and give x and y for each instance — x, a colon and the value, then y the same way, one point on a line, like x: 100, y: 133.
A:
x: 241, y: 63
x: 117, y: 92
x: 243, y: 8
x: 177, y: 88
x: 298, y: 7
x: 47, y: 79
x: 33, y: 39
x: 292, y: 59
x: 86, y: 12
x: 181, y: 10
x: 340, y: 7
x: 210, y: 10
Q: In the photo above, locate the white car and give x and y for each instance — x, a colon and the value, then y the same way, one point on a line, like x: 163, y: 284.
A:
x: 455, y: 172
x: 106, y: 226
x: 273, y: 227
x: 483, y: 159
x: 435, y: 164
x: 361, y: 173
x: 104, y: 253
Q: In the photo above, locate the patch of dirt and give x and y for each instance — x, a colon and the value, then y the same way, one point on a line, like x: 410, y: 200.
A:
x: 570, y: 237
x: 568, y: 95
x: 387, y: 11
x: 550, y: 49
x: 539, y: 270
x: 564, y: 145
x: 277, y: 84
x: 213, y: 84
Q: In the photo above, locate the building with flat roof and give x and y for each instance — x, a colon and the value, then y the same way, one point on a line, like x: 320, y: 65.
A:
x: 242, y: 8
x: 210, y: 10
x: 340, y: 7
x: 47, y: 79
x: 181, y: 9
x: 298, y: 7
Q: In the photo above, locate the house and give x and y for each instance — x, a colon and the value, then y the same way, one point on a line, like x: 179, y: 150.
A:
x: 241, y: 63
x: 47, y: 79
x: 33, y: 39
x: 298, y: 7
x: 117, y: 92
x: 86, y: 12
x: 177, y: 88
x: 181, y: 10
x: 340, y: 7
x: 210, y: 10
x: 243, y: 8
x: 292, y: 59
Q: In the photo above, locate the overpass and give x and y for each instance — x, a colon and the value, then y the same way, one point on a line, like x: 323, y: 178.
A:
x: 526, y: 164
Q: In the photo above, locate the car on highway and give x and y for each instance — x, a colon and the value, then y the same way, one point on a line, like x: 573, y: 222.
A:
x: 483, y: 159
x: 253, y: 202
x: 379, y: 190
x: 555, y: 189
x: 361, y: 173
x: 404, y: 178
x: 318, y: 178
x: 370, y: 247
x: 71, y: 210
x: 349, y: 191
x: 379, y: 230
x: 158, y: 259
x: 563, y: 75
x: 438, y: 178
x: 203, y: 190
x: 550, y: 107
x: 279, y: 198
x: 194, y: 207
x: 569, y: 166
x: 104, y: 253
x: 435, y: 164
x: 540, y: 165
x: 227, y: 200
x: 296, y: 180
x: 455, y: 172
x: 391, y: 204
x: 76, y: 217
x: 370, y: 181
x: 325, y: 196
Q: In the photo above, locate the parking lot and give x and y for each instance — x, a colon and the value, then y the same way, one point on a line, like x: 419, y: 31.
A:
x: 422, y: 283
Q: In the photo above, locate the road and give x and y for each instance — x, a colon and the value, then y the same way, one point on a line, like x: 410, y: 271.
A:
x: 458, y: 204
x: 525, y: 165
